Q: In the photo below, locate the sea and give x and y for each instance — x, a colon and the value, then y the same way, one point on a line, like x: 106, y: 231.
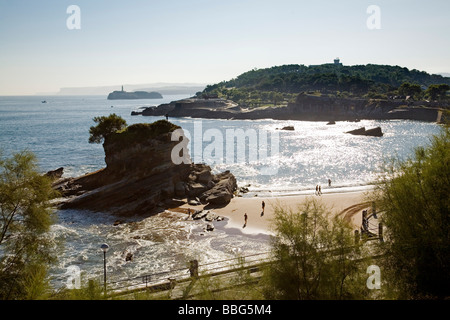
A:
x: 56, y: 130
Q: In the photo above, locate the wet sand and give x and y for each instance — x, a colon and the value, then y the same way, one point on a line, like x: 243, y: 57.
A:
x: 348, y: 205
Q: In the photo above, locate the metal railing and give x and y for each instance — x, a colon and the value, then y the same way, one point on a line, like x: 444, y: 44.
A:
x: 166, y: 280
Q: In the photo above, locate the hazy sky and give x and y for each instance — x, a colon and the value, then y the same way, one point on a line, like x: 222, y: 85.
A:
x: 137, y: 41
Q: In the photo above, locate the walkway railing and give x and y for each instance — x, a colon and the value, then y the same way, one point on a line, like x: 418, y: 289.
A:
x: 166, y: 280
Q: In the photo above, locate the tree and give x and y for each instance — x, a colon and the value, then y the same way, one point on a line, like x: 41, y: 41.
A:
x: 408, y: 89
x: 25, y: 217
x: 105, y: 127
x: 314, y: 256
x: 437, y: 91
x: 414, y: 198
x: 276, y: 97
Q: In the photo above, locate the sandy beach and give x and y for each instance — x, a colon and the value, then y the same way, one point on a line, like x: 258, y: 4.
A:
x: 349, y: 205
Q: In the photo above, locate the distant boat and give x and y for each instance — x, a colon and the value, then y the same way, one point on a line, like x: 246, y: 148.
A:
x: 44, y: 101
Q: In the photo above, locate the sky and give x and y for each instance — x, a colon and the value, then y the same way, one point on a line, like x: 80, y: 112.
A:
x: 197, y: 41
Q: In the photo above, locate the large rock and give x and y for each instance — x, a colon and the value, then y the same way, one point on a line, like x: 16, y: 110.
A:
x: 288, y: 128
x: 180, y: 189
x: 196, y: 189
x: 140, y: 175
x: 375, y: 132
x: 358, y: 132
x: 139, y: 172
x: 222, y: 192
x: 55, y: 174
x: 205, y: 176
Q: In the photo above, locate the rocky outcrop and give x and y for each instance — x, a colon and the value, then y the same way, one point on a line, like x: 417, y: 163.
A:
x: 358, y: 132
x: 223, y: 187
x: 55, y: 174
x: 196, y: 108
x: 375, y: 132
x: 287, y: 128
x: 140, y: 175
x: 305, y: 107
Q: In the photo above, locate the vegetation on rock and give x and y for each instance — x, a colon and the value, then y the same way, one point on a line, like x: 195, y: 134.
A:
x: 105, y: 127
x: 280, y: 84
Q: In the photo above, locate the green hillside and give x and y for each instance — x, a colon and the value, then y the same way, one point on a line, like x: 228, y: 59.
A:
x: 283, y: 83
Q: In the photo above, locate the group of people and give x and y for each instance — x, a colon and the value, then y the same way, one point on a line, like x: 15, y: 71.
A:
x: 319, y: 188
x: 263, y: 205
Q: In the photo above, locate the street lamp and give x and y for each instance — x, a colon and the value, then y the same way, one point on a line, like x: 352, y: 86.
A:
x: 104, y: 248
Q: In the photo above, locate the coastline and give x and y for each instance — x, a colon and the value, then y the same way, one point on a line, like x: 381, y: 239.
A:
x: 305, y: 108
x: 348, y: 203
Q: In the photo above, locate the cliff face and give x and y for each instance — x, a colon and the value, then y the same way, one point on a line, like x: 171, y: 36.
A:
x: 306, y: 107
x: 314, y: 108
x: 139, y: 176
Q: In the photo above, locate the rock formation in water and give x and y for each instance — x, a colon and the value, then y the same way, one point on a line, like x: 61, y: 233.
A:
x: 124, y: 95
x: 140, y: 176
x: 305, y: 107
x: 375, y: 132
x: 55, y: 174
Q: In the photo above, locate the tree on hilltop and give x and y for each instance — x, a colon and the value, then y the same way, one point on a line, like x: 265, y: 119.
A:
x: 105, y: 127
x: 408, y: 89
x: 437, y: 91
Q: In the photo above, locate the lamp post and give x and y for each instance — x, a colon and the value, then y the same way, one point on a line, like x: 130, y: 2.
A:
x: 104, y: 248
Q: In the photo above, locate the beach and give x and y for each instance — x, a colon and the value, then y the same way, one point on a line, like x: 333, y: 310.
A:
x: 347, y: 204
x: 57, y: 132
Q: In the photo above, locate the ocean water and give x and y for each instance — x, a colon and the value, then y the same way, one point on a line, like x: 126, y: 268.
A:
x: 57, y: 132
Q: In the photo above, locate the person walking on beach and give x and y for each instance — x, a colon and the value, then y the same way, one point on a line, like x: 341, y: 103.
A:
x: 320, y: 190
x: 317, y: 190
x: 329, y: 182
x: 263, y: 206
x: 245, y: 219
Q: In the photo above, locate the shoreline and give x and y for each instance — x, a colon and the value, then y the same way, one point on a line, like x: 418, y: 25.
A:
x: 267, y: 193
x: 324, y: 109
x: 349, y: 204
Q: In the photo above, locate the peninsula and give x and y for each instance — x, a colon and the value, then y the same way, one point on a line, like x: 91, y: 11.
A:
x: 305, y: 108
x: 328, y: 92
x: 124, y: 95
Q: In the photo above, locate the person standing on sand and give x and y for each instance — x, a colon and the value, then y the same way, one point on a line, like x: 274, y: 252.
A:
x: 329, y: 182
x: 245, y: 219
x: 320, y: 190
x: 317, y: 190
x: 263, y: 206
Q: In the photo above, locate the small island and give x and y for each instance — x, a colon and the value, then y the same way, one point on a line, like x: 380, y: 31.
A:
x: 124, y: 95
